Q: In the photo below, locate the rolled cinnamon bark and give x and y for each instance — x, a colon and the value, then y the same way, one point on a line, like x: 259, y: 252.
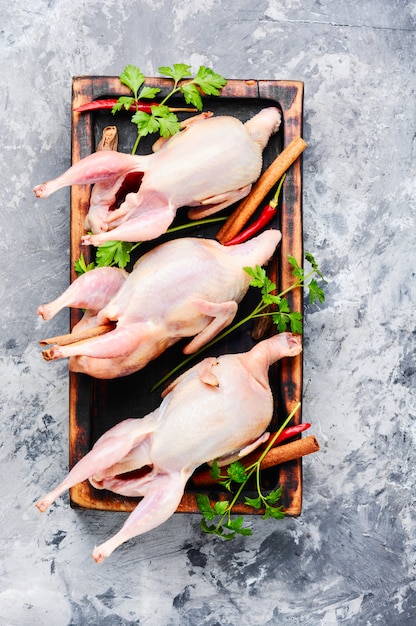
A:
x: 260, y: 189
x: 276, y: 456
x: 88, y: 333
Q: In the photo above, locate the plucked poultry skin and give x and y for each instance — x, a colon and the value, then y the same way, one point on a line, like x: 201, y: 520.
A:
x: 209, y: 165
x: 187, y: 287
x: 218, y: 409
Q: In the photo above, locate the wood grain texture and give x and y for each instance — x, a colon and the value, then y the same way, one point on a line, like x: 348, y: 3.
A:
x: 94, y: 405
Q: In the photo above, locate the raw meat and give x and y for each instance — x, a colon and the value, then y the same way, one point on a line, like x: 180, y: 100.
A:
x: 188, y: 287
x: 219, y: 409
x: 209, y: 165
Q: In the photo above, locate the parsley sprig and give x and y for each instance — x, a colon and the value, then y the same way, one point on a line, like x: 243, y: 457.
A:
x: 161, y: 119
x: 206, y: 80
x: 220, y: 512
x: 282, y: 316
x: 134, y: 79
x: 80, y: 265
x: 110, y: 253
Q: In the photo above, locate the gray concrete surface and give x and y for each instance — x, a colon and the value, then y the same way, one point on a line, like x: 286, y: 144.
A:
x: 350, y: 558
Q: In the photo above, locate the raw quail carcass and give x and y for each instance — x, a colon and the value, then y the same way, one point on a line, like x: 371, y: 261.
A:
x: 208, y: 165
x: 187, y: 287
x: 219, y: 409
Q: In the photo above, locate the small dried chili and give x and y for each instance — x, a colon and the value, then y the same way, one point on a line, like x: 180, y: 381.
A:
x: 265, y: 217
x: 291, y: 431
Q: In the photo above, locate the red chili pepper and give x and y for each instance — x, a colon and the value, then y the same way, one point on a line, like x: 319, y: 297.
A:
x: 291, y: 431
x: 108, y: 103
x: 265, y: 217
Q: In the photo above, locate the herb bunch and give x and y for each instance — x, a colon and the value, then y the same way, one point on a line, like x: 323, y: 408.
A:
x: 161, y: 120
x: 220, y: 512
x: 282, y: 317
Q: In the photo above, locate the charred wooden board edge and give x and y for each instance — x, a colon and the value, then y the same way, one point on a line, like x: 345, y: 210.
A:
x: 289, y: 96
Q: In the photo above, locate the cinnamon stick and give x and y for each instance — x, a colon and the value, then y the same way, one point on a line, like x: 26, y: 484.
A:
x: 276, y: 456
x: 260, y: 189
x: 88, y: 333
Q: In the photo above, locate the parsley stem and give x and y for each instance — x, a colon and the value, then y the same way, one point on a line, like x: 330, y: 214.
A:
x: 174, y: 229
x: 277, y: 433
x: 174, y: 90
x: 300, y: 282
x: 227, y: 512
x: 170, y: 94
x: 136, y: 143
x: 255, y: 467
x: 210, y: 220
x: 192, y: 224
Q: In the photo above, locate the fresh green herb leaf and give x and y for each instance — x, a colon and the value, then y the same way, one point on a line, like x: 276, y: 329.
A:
x: 274, y: 512
x: 236, y: 525
x: 220, y: 507
x: 204, y: 505
x: 192, y: 95
x: 283, y: 319
x: 297, y: 270
x: 263, y: 282
x: 258, y: 276
x: 128, y: 102
x: 237, y: 472
x: 315, y: 292
x: 274, y: 496
x: 81, y: 267
x: 178, y: 72
x: 222, y: 510
x: 310, y: 258
x: 124, y: 102
x: 296, y: 325
x: 284, y: 306
x: 254, y: 502
x: 149, y: 93
x: 208, y: 529
x: 161, y: 120
x: 209, y: 81
x: 113, y: 253
x: 145, y: 122
x: 133, y: 78
x: 215, y: 470
x: 167, y: 121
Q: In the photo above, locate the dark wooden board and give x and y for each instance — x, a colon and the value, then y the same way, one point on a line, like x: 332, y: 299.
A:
x: 96, y: 405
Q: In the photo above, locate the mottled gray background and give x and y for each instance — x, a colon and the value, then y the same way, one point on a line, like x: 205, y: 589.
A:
x: 350, y: 557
